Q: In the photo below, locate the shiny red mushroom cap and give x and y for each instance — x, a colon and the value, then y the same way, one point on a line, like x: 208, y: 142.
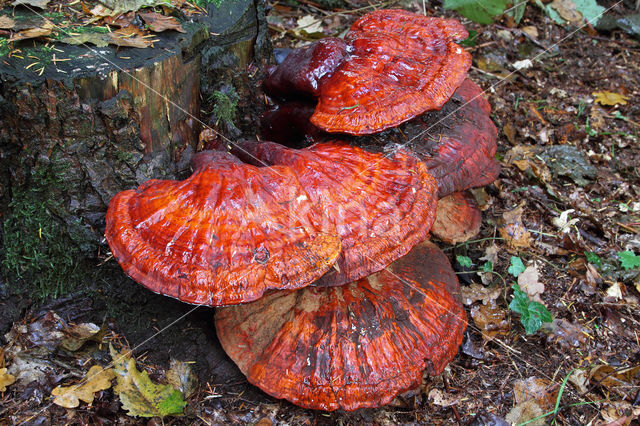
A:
x: 458, y: 218
x: 223, y: 236
x: 353, y: 346
x: 381, y: 206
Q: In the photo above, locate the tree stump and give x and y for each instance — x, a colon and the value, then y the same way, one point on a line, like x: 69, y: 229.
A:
x: 75, y: 132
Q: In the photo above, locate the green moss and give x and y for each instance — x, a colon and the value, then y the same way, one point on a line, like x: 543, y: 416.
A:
x: 38, y: 251
x: 5, y: 48
x: 225, y: 104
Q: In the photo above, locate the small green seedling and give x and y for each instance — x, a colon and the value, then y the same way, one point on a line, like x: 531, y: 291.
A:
x: 532, y: 314
x: 629, y: 260
x: 464, y: 261
x: 517, y: 267
x: 593, y: 259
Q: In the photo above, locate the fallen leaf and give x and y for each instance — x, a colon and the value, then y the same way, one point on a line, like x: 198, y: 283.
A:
x: 6, y: 379
x: 540, y: 390
x: 78, y: 334
x: 513, y: 230
x: 6, y: 23
x: 490, y: 255
x: 118, y: 7
x: 129, y: 37
x: 615, y: 291
x: 622, y: 381
x: 308, y: 25
x: 158, y: 22
x: 567, y: 10
x: 563, y: 223
x: 610, y: 98
x: 43, y: 31
x: 477, y: 291
x: 181, y: 377
x: 529, y: 282
x: 442, y: 399
x: 525, y: 413
x: 579, y: 379
x: 96, y: 379
x: 41, y: 4
x: 565, y: 333
x: 490, y: 319
x: 531, y: 31
x: 99, y: 39
x: 138, y: 394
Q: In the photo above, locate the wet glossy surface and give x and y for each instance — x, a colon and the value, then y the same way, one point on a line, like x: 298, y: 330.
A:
x: 353, y: 346
x: 458, y: 218
x: 401, y: 65
x: 225, y: 235
x: 381, y: 207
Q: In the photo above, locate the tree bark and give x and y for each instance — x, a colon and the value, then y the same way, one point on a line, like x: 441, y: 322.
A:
x: 78, y: 131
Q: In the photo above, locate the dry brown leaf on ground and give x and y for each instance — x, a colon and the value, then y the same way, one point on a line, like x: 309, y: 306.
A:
x: 542, y: 391
x: 529, y: 282
x: 182, y: 377
x: 490, y: 319
x: 6, y: 23
x: 129, y: 37
x: 96, y: 379
x: 41, y: 4
x: 475, y: 291
x: 158, y: 22
x: 605, y: 97
x: 513, y: 229
x: 442, y: 399
x: 6, y: 379
x: 565, y: 333
x: 567, y: 10
x: 42, y: 31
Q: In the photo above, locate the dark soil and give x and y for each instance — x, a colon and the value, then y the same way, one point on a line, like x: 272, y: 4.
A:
x: 536, y: 109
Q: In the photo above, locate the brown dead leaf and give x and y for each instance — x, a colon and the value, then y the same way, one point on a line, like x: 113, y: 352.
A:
x: 579, y: 379
x: 513, y: 229
x: 615, y: 291
x: 529, y: 282
x: 97, y: 379
x: 531, y: 31
x: 565, y: 333
x: 540, y: 390
x: 443, y: 399
x: 121, y: 21
x: 6, y: 379
x: 129, y: 37
x: 158, y: 22
x: 490, y: 319
x: 6, y: 23
x: 42, y: 31
x: 605, y: 97
x: 475, y: 292
x: 567, y: 10
x: 41, y: 4
x: 510, y: 132
x: 490, y: 255
x: 622, y: 381
x: 525, y: 413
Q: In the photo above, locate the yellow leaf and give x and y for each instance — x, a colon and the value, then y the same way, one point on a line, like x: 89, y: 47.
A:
x: 139, y: 395
x: 610, y: 98
x: 6, y: 379
x: 97, y: 379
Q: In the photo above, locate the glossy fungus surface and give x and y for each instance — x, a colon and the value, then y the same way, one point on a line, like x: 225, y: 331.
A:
x: 401, y: 65
x: 304, y: 69
x: 458, y: 143
x: 225, y: 235
x: 353, y: 346
x: 381, y: 206
x: 458, y: 218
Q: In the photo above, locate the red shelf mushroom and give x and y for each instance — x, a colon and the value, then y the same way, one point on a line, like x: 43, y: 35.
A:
x: 354, y: 346
x: 381, y: 207
x: 225, y: 235
x: 458, y: 218
x: 395, y: 66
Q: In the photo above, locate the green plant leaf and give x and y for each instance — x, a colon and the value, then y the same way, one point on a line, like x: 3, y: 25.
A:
x: 532, y: 314
x: 517, y: 267
x: 481, y: 12
x: 139, y: 395
x: 629, y: 260
x: 593, y: 258
x: 464, y: 261
x: 517, y: 10
x: 487, y: 266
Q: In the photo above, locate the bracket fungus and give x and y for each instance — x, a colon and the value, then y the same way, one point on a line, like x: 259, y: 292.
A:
x: 458, y: 218
x: 353, y: 346
x: 225, y: 235
x: 381, y: 206
x: 394, y: 66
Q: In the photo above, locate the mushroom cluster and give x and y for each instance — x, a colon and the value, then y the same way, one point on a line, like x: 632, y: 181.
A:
x: 326, y: 234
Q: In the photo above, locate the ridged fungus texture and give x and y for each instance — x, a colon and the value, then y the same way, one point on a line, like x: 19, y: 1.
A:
x: 401, y: 65
x: 304, y: 69
x: 223, y: 236
x: 458, y: 218
x: 381, y: 206
x: 458, y: 143
x: 353, y: 346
